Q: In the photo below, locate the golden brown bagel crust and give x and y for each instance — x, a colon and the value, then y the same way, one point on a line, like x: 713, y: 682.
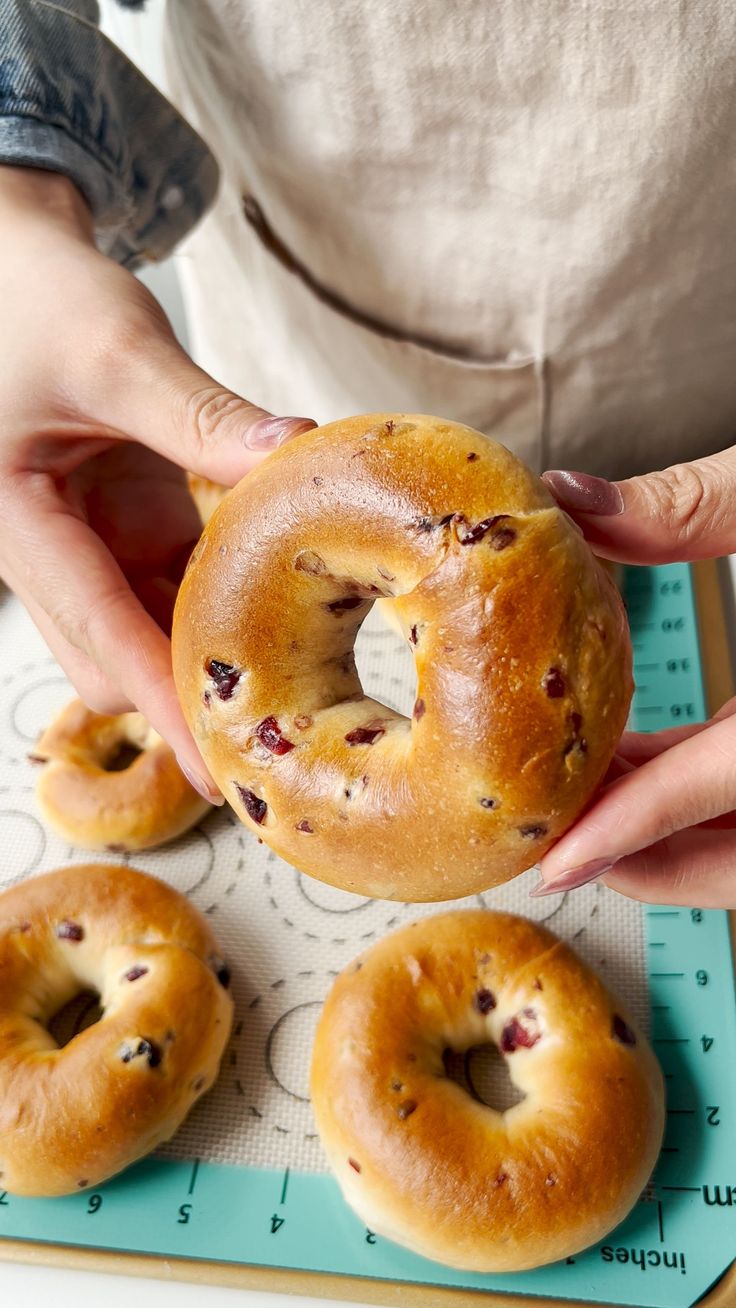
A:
x: 522, y: 653
x: 141, y: 807
x: 207, y: 495
x: 425, y: 1164
x: 71, y: 1117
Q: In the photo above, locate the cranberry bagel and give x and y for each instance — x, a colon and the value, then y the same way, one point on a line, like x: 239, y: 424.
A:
x: 71, y: 1117
x: 427, y: 1165
x: 110, y: 782
x: 207, y: 495
x: 522, y: 655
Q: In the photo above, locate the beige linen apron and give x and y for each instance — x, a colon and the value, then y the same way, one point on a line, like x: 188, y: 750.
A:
x: 516, y: 213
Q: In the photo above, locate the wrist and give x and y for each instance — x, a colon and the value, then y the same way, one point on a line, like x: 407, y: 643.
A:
x: 38, y: 195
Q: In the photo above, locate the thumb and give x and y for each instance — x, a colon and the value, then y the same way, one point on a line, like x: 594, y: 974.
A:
x: 686, y: 512
x: 160, y: 398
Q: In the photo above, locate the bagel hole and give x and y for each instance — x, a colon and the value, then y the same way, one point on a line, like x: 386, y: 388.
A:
x: 482, y: 1072
x: 122, y: 757
x: 379, y: 639
x: 80, y: 1012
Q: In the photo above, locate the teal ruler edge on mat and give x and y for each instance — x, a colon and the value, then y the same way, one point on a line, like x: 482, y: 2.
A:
x: 671, y: 1248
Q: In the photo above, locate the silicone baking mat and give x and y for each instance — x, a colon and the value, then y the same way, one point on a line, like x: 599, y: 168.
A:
x: 244, y: 1181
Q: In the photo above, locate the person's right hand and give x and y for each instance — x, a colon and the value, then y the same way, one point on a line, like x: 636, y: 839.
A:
x: 101, y: 411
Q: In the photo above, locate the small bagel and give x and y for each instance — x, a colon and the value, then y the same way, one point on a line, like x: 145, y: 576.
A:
x: 426, y: 1165
x: 72, y: 1117
x: 522, y: 655
x: 207, y: 495
x: 85, y: 794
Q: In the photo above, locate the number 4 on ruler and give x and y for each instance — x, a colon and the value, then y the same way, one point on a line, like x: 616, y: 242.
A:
x: 276, y: 1221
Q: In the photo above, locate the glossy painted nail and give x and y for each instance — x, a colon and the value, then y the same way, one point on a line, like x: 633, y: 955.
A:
x: 268, y: 433
x: 201, y: 786
x: 573, y: 878
x: 581, y: 493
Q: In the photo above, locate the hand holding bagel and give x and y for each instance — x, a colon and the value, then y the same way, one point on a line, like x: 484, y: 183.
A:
x: 664, y: 827
x: 102, y: 411
x: 519, y: 639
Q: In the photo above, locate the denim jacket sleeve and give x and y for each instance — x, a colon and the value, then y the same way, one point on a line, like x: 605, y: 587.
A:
x: 71, y: 102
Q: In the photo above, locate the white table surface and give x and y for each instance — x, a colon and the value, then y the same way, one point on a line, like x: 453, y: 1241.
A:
x: 49, y: 1287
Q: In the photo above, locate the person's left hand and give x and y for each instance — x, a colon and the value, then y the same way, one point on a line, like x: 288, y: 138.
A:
x: 663, y: 828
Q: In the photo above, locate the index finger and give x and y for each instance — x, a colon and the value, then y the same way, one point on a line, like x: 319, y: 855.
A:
x: 692, y: 782
x: 75, y: 580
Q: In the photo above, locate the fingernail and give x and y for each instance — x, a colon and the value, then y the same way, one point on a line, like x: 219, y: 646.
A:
x: 573, y: 878
x: 201, y: 786
x: 585, y: 494
x: 268, y: 433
